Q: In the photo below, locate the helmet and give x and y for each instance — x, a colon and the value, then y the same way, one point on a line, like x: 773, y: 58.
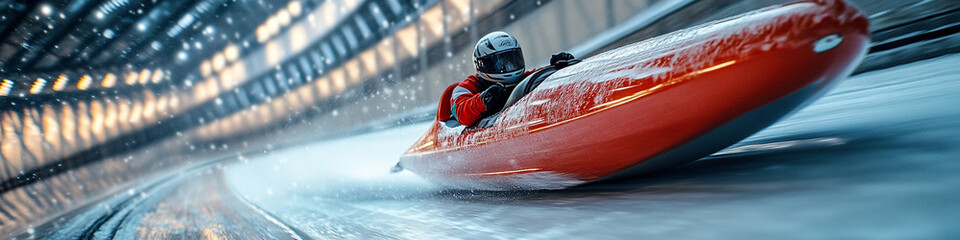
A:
x: 498, y: 58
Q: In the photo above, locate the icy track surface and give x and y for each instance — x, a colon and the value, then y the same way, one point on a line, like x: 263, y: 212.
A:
x: 877, y: 158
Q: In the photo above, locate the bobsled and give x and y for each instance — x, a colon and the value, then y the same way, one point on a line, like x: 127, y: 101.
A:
x: 649, y: 105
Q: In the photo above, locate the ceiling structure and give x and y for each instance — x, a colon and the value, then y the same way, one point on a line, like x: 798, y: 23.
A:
x: 46, y: 40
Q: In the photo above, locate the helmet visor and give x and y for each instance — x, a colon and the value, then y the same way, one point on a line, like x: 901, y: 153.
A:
x: 501, y: 62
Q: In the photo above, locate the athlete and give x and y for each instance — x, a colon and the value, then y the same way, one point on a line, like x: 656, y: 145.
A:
x: 499, y: 63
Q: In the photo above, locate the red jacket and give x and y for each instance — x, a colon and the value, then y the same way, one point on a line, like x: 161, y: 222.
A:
x: 466, y: 102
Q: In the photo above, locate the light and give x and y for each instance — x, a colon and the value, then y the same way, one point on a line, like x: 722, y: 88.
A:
x: 295, y: 8
x: 226, y: 78
x: 274, y: 52
x: 385, y: 51
x: 109, y: 80
x: 232, y: 52
x: 503, y: 172
x: 306, y: 96
x: 84, y: 82
x: 239, y: 72
x: 199, y: 92
x: 462, y: 5
x: 135, y: 113
x: 46, y: 10
x: 182, y: 56
x: 162, y: 104
x: 293, y: 101
x: 83, y: 121
x: 144, y: 76
x: 149, y: 104
x: 141, y: 27
x: 5, y: 87
x: 123, y: 113
x: 209, y: 30
x: 408, y: 40
x: 174, y: 101
x: 718, y: 66
x: 298, y: 38
x: 262, y: 34
x: 205, y: 68
x: 109, y: 34
x: 99, y: 15
x: 219, y: 61
x: 38, y: 86
x: 213, y: 87
x: 157, y: 75
x: 433, y: 18
x: 110, y: 120
x: 264, y: 114
x: 51, y: 127
x: 329, y: 13
x: 353, y: 70
x: 61, y: 82
x: 369, y: 59
x: 68, y: 128
x: 339, y: 80
x: 131, y: 78
x: 283, y: 16
x: 323, y: 86
x: 273, y: 25
x: 353, y: 3
x: 280, y: 108
x: 96, y: 120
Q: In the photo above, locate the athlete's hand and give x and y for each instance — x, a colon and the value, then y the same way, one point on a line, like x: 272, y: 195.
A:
x: 494, y: 97
x: 561, y: 59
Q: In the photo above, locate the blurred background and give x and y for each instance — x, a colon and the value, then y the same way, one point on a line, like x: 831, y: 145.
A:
x: 98, y: 97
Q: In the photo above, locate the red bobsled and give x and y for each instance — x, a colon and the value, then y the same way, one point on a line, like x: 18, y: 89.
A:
x: 653, y: 104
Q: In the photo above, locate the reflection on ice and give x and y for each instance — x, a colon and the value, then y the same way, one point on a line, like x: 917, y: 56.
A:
x: 803, y: 143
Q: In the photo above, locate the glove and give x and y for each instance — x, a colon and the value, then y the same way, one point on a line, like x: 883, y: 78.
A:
x: 560, y: 59
x: 493, y: 98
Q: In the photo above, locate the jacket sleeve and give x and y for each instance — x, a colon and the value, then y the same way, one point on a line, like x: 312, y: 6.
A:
x: 466, y: 103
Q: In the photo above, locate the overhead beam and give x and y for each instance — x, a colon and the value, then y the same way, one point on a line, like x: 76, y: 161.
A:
x: 15, y: 22
x: 99, y: 47
x: 182, y: 8
x: 48, y: 40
